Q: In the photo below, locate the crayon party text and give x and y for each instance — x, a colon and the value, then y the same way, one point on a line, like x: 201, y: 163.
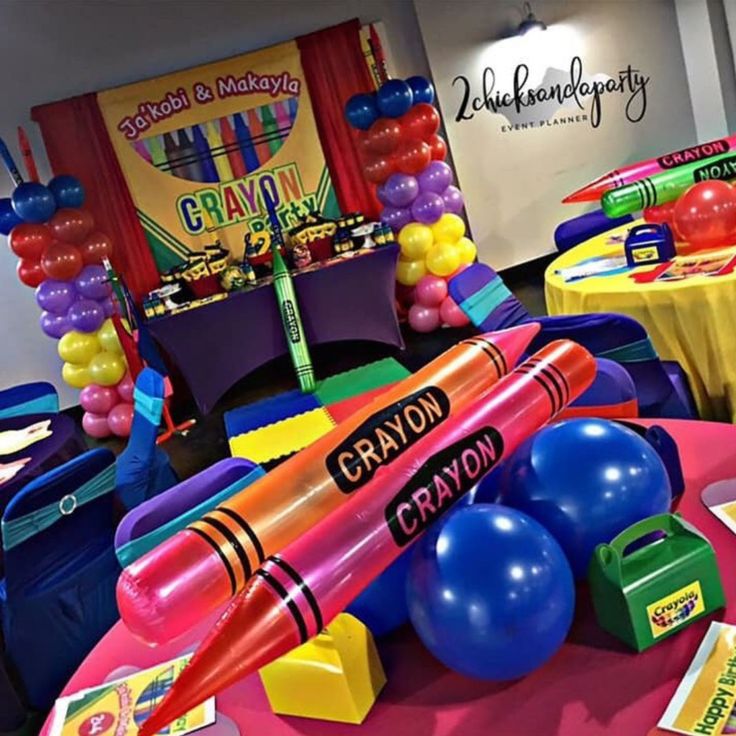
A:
x: 629, y: 82
x: 240, y: 200
x: 431, y: 492
x: 385, y: 435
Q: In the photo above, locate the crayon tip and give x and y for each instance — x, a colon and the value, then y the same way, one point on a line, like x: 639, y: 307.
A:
x: 252, y: 632
x: 593, y: 191
x: 514, y: 341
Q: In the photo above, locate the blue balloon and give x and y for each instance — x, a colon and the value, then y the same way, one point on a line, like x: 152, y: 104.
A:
x: 394, y: 98
x: 490, y: 593
x: 33, y: 202
x: 67, y: 190
x: 382, y: 605
x: 361, y: 111
x: 489, y: 488
x: 586, y: 480
x: 422, y: 89
x: 8, y: 218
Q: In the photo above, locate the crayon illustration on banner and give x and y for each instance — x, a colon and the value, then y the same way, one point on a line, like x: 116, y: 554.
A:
x: 705, y: 700
x: 195, y: 147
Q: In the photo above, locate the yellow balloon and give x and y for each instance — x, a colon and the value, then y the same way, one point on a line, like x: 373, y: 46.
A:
x: 109, y: 338
x: 77, y: 376
x: 467, y: 250
x: 78, y: 347
x: 443, y: 259
x: 106, y: 369
x: 415, y: 240
x: 409, y: 272
x: 449, y: 228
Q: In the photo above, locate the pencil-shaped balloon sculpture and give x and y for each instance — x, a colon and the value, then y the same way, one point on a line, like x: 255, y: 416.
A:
x: 288, y: 306
x: 9, y: 164
x: 177, y: 584
x: 309, y: 582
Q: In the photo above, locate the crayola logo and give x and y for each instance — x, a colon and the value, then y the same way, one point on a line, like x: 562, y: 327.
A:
x: 431, y: 492
x: 385, y: 435
x: 724, y: 169
x: 675, y: 609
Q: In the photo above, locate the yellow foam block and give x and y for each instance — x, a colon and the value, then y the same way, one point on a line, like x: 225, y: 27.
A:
x: 282, y: 438
x: 334, y: 677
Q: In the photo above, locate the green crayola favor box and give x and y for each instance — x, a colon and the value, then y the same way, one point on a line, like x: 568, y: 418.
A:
x: 648, y: 594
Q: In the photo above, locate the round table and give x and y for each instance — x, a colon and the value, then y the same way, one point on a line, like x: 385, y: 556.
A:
x: 593, y: 685
x: 689, y: 321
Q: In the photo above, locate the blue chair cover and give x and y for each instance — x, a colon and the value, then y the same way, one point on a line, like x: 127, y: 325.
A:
x: 58, y: 595
x: 28, y: 398
x: 611, y: 387
x: 577, y: 230
x: 143, y: 469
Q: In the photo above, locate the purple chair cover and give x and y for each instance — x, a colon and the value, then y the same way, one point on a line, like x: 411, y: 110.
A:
x: 12, y: 712
x: 579, y: 229
x: 612, y: 386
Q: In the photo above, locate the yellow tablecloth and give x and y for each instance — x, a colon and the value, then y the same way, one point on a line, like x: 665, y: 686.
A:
x: 691, y: 321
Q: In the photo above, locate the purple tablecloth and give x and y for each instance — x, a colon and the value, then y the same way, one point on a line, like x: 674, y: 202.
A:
x: 216, y: 345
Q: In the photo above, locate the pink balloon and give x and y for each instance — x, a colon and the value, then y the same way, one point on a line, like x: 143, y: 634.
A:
x: 430, y: 291
x: 95, y: 425
x: 424, y: 319
x: 451, y: 314
x: 98, y: 399
x: 125, y: 388
x: 120, y: 419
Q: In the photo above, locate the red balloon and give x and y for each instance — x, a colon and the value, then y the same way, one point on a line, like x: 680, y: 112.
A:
x: 378, y: 169
x: 29, y: 241
x: 95, y: 248
x: 705, y: 216
x: 421, y: 122
x: 413, y: 157
x: 61, y: 261
x: 661, y: 213
x: 383, y: 136
x: 362, y: 144
x: 30, y: 272
x: 439, y: 147
x: 71, y: 225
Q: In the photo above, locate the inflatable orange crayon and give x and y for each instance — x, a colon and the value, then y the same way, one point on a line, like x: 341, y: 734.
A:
x: 314, y: 578
x: 170, y: 589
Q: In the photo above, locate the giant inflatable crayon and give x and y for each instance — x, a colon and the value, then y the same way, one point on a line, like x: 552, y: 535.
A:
x: 633, y: 172
x: 313, y: 579
x: 662, y: 188
x: 174, y: 586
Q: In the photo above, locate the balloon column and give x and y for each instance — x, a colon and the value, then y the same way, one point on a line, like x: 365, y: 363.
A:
x: 60, y: 255
x: 404, y: 157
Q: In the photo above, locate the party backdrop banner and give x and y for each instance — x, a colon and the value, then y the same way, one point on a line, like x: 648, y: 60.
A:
x: 196, y: 146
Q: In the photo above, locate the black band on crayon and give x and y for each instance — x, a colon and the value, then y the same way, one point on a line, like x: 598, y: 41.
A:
x: 561, y: 378
x: 284, y: 595
x: 221, y: 555
x: 540, y: 380
x: 297, y: 578
x: 558, y: 386
x: 233, y: 541
x: 243, y: 524
x: 496, y: 356
x: 617, y: 178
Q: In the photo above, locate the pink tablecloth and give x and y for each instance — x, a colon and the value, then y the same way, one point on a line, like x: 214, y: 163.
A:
x: 592, y: 686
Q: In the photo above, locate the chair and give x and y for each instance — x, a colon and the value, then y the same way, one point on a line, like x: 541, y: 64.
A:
x: 143, y: 469
x: 58, y: 595
x: 158, y: 518
x: 28, y: 398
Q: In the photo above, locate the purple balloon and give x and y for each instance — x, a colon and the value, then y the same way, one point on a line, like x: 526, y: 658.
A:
x: 436, y: 177
x: 453, y: 199
x: 381, y: 195
x: 109, y: 307
x: 400, y: 190
x: 54, y: 325
x: 396, y: 217
x: 86, y: 315
x: 92, y: 282
x: 427, y: 208
x: 55, y: 296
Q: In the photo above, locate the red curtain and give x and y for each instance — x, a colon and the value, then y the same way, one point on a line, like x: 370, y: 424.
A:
x: 335, y: 70
x: 77, y: 143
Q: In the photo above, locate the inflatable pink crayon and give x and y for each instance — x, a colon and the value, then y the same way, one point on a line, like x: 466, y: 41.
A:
x: 299, y: 590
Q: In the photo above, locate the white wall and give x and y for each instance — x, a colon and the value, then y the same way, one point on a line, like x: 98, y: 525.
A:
x: 513, y: 181
x: 52, y: 49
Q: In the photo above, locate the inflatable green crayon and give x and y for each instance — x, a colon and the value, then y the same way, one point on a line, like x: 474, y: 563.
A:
x: 288, y: 306
x: 665, y: 187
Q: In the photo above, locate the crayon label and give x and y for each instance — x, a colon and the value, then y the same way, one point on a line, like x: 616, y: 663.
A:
x: 675, y: 609
x: 385, y: 435
x: 431, y: 492
x: 693, y: 154
x: 724, y: 170
x: 291, y: 322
